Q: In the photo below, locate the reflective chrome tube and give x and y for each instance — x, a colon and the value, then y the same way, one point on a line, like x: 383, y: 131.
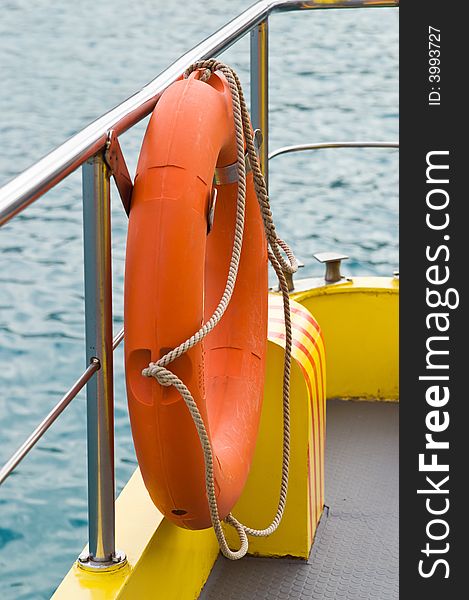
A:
x: 41, y: 429
x: 323, y: 145
x: 55, y: 166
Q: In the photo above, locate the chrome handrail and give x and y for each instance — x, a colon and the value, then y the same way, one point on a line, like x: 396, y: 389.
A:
x: 55, y: 166
x: 324, y: 145
x: 86, y: 149
x: 44, y: 425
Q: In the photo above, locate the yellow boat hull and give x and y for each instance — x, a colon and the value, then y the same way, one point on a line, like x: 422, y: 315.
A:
x: 359, y: 322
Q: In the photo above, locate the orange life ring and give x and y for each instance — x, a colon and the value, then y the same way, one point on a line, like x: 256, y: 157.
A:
x: 175, y: 276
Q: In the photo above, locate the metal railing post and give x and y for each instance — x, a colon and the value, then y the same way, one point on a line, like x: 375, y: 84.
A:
x: 99, y: 345
x: 260, y: 89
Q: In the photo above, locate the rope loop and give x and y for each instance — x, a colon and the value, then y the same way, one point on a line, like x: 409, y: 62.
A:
x: 276, y: 246
x: 162, y: 375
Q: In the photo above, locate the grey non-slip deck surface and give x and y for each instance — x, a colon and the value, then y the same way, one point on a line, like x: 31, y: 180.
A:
x: 355, y: 553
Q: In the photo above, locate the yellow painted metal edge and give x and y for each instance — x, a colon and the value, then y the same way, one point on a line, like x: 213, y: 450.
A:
x: 359, y: 320
x: 305, y: 498
x: 355, y: 285
x: 164, y: 562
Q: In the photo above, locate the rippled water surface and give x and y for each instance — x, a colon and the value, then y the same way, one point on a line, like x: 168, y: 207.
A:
x: 333, y: 76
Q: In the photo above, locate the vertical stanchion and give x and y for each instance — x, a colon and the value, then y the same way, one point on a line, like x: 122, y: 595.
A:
x: 100, y: 410
x: 260, y: 89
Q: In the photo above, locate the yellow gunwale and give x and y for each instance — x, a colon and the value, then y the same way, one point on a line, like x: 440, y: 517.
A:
x: 165, y: 562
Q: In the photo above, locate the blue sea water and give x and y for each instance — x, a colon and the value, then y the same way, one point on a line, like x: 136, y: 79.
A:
x: 62, y: 64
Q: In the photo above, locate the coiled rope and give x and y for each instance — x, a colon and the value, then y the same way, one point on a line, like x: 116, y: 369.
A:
x: 159, y: 369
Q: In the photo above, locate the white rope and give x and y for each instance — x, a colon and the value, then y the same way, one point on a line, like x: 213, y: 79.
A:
x: 165, y: 377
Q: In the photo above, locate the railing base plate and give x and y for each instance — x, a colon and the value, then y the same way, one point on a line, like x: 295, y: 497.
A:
x: 85, y: 561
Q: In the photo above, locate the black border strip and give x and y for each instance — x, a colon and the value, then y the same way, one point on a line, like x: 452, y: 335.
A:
x: 435, y: 126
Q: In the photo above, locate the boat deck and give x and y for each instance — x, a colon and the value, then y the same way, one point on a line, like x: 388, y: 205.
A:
x: 355, y: 553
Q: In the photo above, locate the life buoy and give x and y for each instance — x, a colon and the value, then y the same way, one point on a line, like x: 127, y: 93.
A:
x: 174, y: 277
